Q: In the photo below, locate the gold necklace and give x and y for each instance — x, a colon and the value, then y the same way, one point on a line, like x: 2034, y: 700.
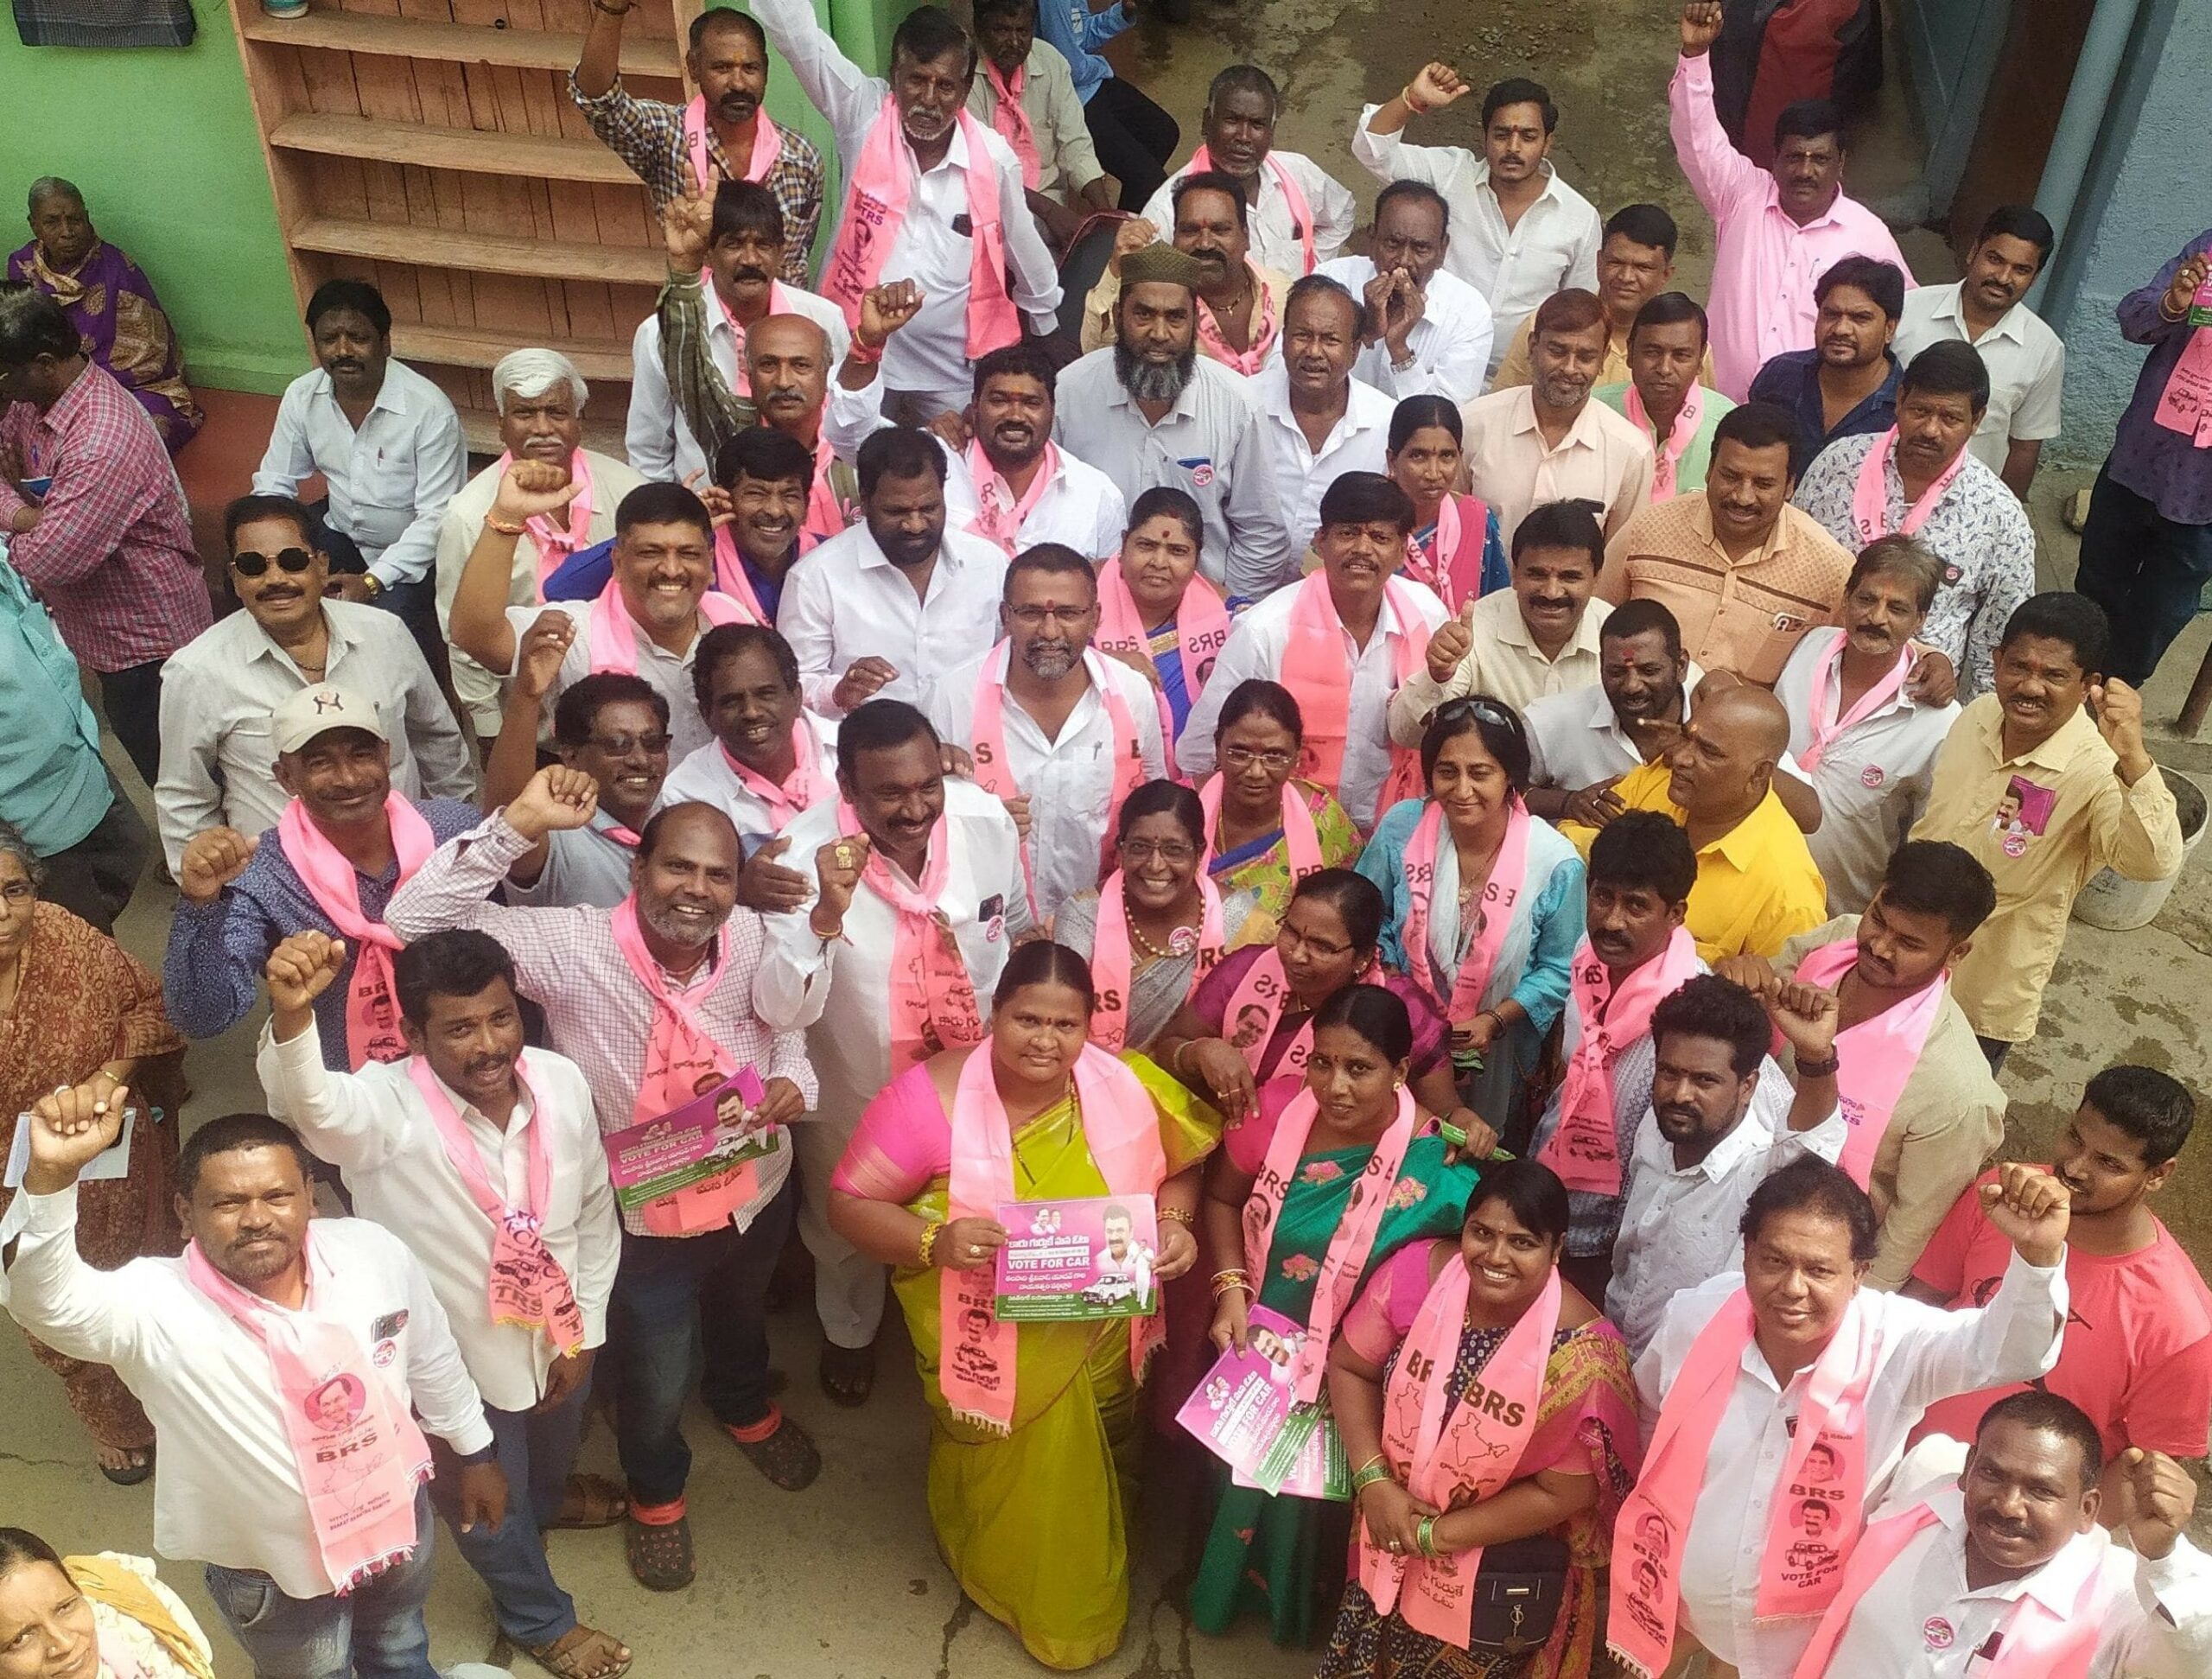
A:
x: 1181, y: 943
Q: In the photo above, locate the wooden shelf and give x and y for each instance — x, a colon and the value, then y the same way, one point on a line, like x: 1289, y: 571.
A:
x: 479, y: 151
x: 595, y: 358
x: 451, y: 43
x: 434, y: 247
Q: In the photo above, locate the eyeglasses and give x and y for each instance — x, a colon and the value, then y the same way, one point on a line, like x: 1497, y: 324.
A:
x: 621, y: 745
x: 1483, y: 710
x: 1176, y: 854
x: 1275, y: 761
x: 1032, y: 617
x: 293, y: 560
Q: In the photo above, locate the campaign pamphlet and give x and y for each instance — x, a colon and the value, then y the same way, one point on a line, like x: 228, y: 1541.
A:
x: 111, y: 1163
x: 1245, y: 1413
x: 1065, y: 1261
x: 708, y: 1137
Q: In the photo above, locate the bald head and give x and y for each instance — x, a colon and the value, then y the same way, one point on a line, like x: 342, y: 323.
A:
x: 787, y: 360
x: 685, y: 875
x: 1721, y: 769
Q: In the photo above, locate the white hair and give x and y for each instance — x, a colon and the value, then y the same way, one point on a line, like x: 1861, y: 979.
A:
x: 532, y: 373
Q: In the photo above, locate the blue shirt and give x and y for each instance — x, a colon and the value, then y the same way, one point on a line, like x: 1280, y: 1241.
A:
x: 1793, y: 380
x: 211, y: 971
x: 1078, y: 32
x: 2165, y: 467
x: 54, y: 785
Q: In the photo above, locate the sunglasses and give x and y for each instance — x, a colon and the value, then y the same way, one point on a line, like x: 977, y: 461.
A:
x: 252, y: 565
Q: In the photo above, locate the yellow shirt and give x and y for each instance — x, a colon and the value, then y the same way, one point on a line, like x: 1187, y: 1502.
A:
x: 2042, y: 823
x: 1756, y: 885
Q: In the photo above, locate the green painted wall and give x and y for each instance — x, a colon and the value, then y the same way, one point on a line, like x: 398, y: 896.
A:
x: 161, y: 140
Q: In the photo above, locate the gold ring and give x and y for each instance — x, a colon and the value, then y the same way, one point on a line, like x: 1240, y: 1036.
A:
x: 844, y: 857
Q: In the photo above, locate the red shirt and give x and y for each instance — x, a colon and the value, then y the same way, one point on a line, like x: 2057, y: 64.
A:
x: 2138, y: 1351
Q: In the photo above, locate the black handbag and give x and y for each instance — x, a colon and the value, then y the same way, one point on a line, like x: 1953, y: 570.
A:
x: 1519, y: 1590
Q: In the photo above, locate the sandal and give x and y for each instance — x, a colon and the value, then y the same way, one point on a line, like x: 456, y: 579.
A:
x: 137, y: 1467
x: 583, y: 1652
x: 592, y: 1501
x: 849, y: 1373
x: 785, y: 1453
x: 659, y: 1553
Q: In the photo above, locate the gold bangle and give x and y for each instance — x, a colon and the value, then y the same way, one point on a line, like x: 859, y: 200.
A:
x: 492, y: 523
x: 1189, y: 1221
x: 931, y: 1231
x: 1224, y: 1281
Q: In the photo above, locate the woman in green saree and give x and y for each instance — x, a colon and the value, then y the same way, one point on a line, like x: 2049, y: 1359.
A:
x: 1034, y: 1425
x: 1293, y: 1216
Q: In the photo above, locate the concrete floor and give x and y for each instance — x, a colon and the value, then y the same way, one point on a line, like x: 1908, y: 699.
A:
x: 841, y: 1581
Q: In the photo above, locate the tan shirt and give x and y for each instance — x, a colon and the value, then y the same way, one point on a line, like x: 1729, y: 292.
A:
x: 1949, y: 1121
x: 1743, y: 615
x: 1098, y: 307
x: 1516, y: 369
x: 1602, y: 458
x: 1067, y: 162
x: 2074, y: 818
x: 1504, y: 663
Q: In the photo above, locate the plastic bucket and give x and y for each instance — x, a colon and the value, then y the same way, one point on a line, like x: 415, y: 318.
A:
x: 2119, y: 905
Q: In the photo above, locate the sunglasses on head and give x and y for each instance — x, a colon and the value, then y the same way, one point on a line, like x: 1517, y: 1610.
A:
x: 252, y: 565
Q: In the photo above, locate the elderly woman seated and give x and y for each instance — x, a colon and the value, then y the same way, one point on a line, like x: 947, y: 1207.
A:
x: 110, y: 301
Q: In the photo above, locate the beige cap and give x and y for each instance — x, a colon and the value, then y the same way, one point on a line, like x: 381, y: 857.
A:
x: 309, y: 712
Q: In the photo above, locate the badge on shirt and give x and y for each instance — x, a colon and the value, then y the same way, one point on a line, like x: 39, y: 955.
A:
x: 992, y: 913
x: 1938, y: 1633
x: 1952, y: 574
x: 384, y: 1353
x: 388, y: 1326
x: 1200, y: 467
x: 1870, y: 776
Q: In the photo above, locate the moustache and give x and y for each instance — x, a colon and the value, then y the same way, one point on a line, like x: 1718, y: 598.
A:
x: 756, y: 276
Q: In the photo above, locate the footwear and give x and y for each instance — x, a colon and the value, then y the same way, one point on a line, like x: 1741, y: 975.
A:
x: 779, y: 1449
x: 849, y: 1373
x: 592, y: 1501
x: 583, y: 1652
x: 138, y: 1465
x: 659, y: 1553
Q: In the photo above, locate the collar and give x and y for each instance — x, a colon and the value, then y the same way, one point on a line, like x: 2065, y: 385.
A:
x: 872, y: 553
x: 2056, y: 1586
x: 1578, y: 436
x: 389, y: 397
x: 472, y: 1115
x: 1702, y: 523
x: 2055, y: 754
x: 1752, y: 839
x: 1900, y: 701
x: 1512, y: 631
x: 1750, y: 1133
x: 64, y: 413
x: 1550, y: 175
x: 1187, y: 403
x: 1831, y: 217
x: 1950, y: 305
x: 264, y: 645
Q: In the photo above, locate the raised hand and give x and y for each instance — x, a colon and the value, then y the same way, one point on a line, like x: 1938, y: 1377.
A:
x: 861, y: 678
x: 2153, y: 1498
x: 687, y: 226
x: 537, y: 659
x: 1133, y: 234
x: 1437, y: 86
x: 301, y: 969
x: 70, y: 1130
x: 2118, y: 710
x: 1450, y: 642
x: 212, y: 858
x: 884, y: 309
x: 1407, y: 308
x: 2029, y: 1208
x: 1805, y: 1015
x: 2182, y: 290
x: 556, y: 799
x: 838, y: 869
x: 530, y: 489
x: 1700, y: 27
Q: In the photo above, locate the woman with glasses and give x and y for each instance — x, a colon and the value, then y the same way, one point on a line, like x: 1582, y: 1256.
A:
x: 1483, y: 901
x: 1265, y: 828
x: 1455, y: 548
x: 1285, y: 1225
x: 1157, y: 926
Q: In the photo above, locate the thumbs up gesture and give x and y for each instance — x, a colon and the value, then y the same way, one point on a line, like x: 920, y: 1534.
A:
x: 2153, y: 1498
x: 1450, y: 642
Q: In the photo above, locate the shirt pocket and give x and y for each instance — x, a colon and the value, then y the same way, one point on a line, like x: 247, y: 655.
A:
x: 384, y: 476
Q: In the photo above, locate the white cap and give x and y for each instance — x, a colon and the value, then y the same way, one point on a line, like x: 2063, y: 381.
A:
x: 307, y: 714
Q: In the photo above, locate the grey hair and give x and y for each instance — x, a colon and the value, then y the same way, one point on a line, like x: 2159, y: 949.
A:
x: 53, y: 185
x: 13, y: 844
x: 531, y: 372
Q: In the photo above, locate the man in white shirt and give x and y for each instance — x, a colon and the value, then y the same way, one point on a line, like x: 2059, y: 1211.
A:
x: 541, y: 398
x: 828, y: 968
x: 1721, y: 1117
x: 2025, y: 358
x: 388, y: 444
x: 218, y: 765
x: 2014, y: 1555
x: 1547, y: 441
x: 887, y: 608
x: 1521, y: 234
x: 1075, y: 728
x: 1025, y: 90
x: 931, y: 237
x: 1428, y: 331
x: 653, y: 1001
x: 231, y: 1489
x: 1317, y: 420
x: 1519, y: 644
x: 1300, y: 216
x: 744, y: 262
x: 1584, y: 739
x: 445, y: 1150
x: 1809, y: 1236
x: 1149, y: 410
x: 1382, y: 622
x: 1867, y: 745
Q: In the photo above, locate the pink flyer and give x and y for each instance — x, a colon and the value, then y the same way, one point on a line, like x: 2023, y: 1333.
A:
x: 1245, y: 1413
x: 1067, y: 1261
x: 708, y: 1136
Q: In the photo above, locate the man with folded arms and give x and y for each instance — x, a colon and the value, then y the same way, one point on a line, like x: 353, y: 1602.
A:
x: 653, y: 1001
x: 283, y: 1358
x: 484, y: 1158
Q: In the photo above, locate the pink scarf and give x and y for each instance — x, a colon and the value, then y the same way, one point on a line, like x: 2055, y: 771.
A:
x: 805, y: 787
x: 2185, y: 403
x: 1799, y: 1573
x: 1301, y: 835
x: 1266, y: 988
x: 359, y: 1474
x: 1500, y: 893
x: 876, y: 202
x: 1454, y: 1463
x: 1870, y: 493
x: 1667, y: 459
x: 1317, y: 671
x: 1301, y: 216
x: 372, y: 1017
x: 1013, y: 122
x: 1201, y: 625
x: 934, y: 1003
x: 555, y: 543
x: 768, y: 144
x: 528, y: 1287
x: 1354, y: 1240
x: 1876, y: 1057
x: 1824, y: 733
x: 1453, y: 566
x: 1266, y: 328
x: 825, y: 515
x: 1585, y: 1148
x: 1121, y: 1130
x: 680, y: 1054
x: 614, y: 634
x: 1000, y: 515
x: 2033, y: 1643
x: 730, y: 579
x: 1112, y: 969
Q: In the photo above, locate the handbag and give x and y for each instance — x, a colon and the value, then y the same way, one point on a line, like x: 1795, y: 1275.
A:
x: 1519, y: 1590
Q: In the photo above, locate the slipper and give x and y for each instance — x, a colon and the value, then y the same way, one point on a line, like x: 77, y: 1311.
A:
x: 849, y: 1373
x: 131, y: 1474
x: 592, y: 1501
x: 571, y: 1655
x: 779, y: 1449
x: 659, y: 1553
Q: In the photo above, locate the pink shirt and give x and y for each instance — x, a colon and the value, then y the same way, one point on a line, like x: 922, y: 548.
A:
x: 1764, y: 264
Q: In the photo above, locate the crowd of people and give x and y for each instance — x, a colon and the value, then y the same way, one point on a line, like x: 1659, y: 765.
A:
x: 1520, y: 811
